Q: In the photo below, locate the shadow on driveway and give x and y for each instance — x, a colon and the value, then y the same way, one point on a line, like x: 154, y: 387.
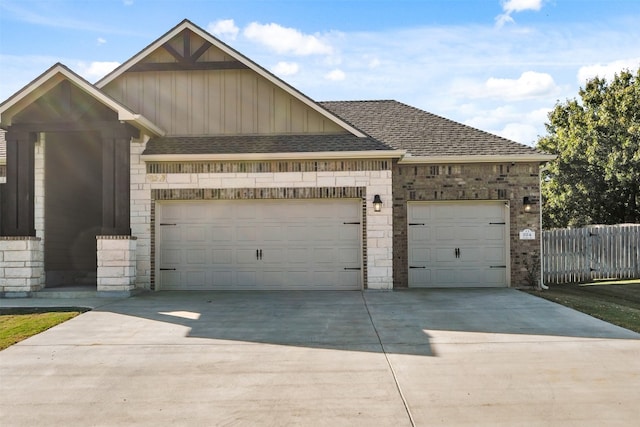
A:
x: 404, y: 322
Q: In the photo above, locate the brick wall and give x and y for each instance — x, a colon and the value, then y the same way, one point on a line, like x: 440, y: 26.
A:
x: 477, y: 181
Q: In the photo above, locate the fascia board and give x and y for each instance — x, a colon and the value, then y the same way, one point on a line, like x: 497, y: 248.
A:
x: 326, y: 155
x: 525, y: 158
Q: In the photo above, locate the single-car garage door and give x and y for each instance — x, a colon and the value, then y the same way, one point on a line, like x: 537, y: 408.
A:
x: 457, y: 244
x: 259, y: 244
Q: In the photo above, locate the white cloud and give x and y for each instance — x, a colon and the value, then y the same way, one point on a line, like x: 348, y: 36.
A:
x: 286, y: 40
x: 606, y: 71
x: 519, y: 132
x: 513, y: 6
x: 509, y: 122
x: 335, y: 75
x: 95, y: 70
x: 224, y: 28
x: 530, y: 84
x: 284, y: 68
x: 101, y: 41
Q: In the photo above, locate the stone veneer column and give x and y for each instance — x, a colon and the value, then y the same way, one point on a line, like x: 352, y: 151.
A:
x: 21, y: 265
x: 116, y: 263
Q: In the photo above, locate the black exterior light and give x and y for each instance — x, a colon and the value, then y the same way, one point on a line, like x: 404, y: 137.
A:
x: 377, y: 203
x: 527, y: 203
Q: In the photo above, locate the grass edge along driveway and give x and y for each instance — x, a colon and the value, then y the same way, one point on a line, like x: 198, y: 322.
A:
x: 19, y: 324
x: 616, y: 302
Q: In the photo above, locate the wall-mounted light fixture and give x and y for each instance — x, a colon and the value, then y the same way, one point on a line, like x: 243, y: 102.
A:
x: 377, y: 203
x: 527, y: 203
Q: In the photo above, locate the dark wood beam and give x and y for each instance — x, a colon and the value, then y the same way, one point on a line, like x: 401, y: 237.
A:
x: 18, y: 192
x: 201, y: 50
x: 186, y: 45
x: 177, y: 66
x: 180, y: 58
x: 126, y: 131
x: 116, y: 191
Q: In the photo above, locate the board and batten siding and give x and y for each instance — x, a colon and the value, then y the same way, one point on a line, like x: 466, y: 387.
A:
x: 216, y: 102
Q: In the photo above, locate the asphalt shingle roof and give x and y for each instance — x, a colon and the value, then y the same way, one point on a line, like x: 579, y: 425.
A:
x: 421, y: 133
x: 237, y: 144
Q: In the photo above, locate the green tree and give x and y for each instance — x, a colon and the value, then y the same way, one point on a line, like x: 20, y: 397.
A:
x: 596, y: 177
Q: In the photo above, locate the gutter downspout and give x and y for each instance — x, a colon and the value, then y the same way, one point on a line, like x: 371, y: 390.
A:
x: 542, y: 285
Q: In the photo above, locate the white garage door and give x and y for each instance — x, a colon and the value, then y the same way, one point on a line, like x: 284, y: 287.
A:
x: 457, y: 244
x: 259, y: 244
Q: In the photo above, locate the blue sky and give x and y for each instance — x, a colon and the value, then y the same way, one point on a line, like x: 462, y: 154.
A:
x: 498, y: 65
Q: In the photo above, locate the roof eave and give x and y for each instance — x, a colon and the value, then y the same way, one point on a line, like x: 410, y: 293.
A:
x: 491, y: 158
x: 186, y: 24
x: 324, y: 155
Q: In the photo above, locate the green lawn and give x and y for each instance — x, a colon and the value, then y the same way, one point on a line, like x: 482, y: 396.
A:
x: 18, y: 325
x: 615, y: 302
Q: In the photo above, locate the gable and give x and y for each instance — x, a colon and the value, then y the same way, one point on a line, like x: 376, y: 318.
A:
x: 190, y: 83
x: 60, y: 94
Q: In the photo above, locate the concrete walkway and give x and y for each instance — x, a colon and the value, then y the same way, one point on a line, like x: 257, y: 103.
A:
x: 424, y: 357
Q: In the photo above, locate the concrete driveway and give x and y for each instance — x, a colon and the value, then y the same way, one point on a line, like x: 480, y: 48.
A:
x: 427, y: 357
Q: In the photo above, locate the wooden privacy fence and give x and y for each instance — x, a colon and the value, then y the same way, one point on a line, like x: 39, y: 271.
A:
x: 590, y: 253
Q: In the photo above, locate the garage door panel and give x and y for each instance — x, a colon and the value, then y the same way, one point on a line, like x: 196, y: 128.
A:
x: 469, y: 233
x: 219, y: 233
x: 494, y: 277
x: 245, y: 256
x: 472, y: 255
x: 494, y: 254
x: 273, y: 233
x: 171, y: 278
x: 196, y: 256
x: 458, y: 244
x: 444, y: 233
x: 196, y: 234
x: 297, y: 233
x: 349, y: 256
x: 420, y: 277
x: 494, y: 233
x: 419, y: 256
x: 349, y: 232
x: 221, y: 279
x: 323, y: 255
x: 274, y: 255
x: 445, y: 276
x: 196, y: 279
x: 170, y: 233
x: 172, y: 212
x: 196, y: 215
x: 222, y: 256
x: 171, y: 256
x: 261, y: 244
x: 444, y: 255
x: 246, y: 233
x: 420, y: 233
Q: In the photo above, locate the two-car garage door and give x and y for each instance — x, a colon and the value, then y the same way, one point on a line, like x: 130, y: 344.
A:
x: 458, y: 244
x: 259, y: 244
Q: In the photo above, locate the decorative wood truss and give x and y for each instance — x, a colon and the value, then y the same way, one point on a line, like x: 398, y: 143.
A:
x: 188, y: 60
